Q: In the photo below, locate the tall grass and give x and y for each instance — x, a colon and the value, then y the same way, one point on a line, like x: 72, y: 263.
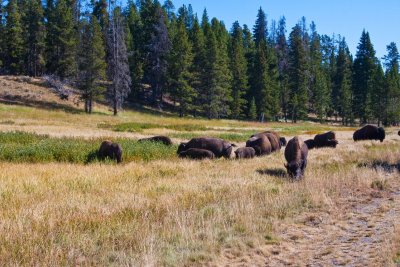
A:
x: 33, y: 148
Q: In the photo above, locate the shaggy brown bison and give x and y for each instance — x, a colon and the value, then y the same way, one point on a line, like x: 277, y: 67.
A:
x: 245, y: 153
x: 196, y: 153
x: 369, y: 132
x: 261, y: 145
x: 310, y: 143
x: 277, y: 140
x: 398, y: 133
x: 326, y: 140
x: 219, y: 147
x: 110, y: 150
x: 158, y: 139
x: 296, y: 156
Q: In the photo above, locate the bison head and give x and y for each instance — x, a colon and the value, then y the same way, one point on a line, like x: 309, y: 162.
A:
x: 181, y: 148
x: 294, y: 169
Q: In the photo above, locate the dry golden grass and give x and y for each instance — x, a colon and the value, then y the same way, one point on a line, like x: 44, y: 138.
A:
x: 172, y: 212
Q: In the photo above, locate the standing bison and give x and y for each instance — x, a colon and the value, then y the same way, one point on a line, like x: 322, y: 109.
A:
x: 219, y: 147
x: 260, y: 144
x: 369, y: 132
x: 196, y: 153
x: 110, y: 150
x: 296, y: 156
x: 158, y: 139
x: 245, y: 153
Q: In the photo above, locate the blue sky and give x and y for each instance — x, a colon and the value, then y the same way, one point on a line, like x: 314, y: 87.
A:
x: 345, y: 17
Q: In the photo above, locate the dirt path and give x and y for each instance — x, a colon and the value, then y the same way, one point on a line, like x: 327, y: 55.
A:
x: 359, y: 232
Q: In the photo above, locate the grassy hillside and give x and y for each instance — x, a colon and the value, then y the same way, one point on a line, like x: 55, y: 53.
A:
x: 158, y: 210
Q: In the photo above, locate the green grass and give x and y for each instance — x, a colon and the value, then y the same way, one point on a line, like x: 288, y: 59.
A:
x: 33, y: 148
x: 233, y: 137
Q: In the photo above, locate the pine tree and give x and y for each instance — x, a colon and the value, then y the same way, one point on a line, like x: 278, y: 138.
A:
x: 318, y: 82
x: 252, y: 110
x: 342, y: 83
x: 34, y: 38
x: 92, y: 65
x: 283, y: 64
x: 196, y: 37
x: 169, y: 9
x: 179, y: 69
x: 13, y: 39
x: 101, y: 13
x: 298, y: 77
x: 2, y: 54
x: 136, y: 57
x: 363, y: 70
x: 118, y: 65
x: 391, y: 62
x: 159, y: 48
x: 238, y: 67
x: 61, y: 41
x: 379, y: 94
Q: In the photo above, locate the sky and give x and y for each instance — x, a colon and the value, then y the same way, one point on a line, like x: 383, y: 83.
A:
x: 381, y: 18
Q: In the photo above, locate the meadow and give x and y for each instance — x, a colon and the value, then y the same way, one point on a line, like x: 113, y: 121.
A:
x: 58, y: 207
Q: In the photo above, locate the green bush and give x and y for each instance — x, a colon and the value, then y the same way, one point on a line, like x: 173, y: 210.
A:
x: 33, y: 148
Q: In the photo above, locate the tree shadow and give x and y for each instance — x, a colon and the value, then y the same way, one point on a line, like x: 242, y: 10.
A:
x: 380, y: 165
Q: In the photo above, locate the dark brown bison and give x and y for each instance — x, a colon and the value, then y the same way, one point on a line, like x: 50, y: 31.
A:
x: 245, y: 153
x: 110, y: 150
x: 310, y: 143
x: 276, y: 141
x: 296, y: 156
x: 326, y: 140
x: 158, y: 139
x: 219, y: 147
x: 261, y: 145
x: 398, y: 133
x: 282, y: 141
x: 369, y: 132
x: 196, y: 153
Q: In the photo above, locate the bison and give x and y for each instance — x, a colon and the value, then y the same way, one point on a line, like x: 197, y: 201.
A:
x: 110, y: 150
x: 261, y: 145
x: 196, y: 153
x: 276, y: 141
x: 219, y: 147
x: 310, y: 143
x: 282, y: 141
x: 369, y: 132
x: 158, y: 139
x: 326, y: 140
x: 398, y: 133
x: 296, y: 156
x: 245, y: 153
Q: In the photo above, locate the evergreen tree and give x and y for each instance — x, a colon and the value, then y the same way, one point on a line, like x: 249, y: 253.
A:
x: 391, y: 62
x: 363, y: 73
x: 252, y: 110
x: 1, y: 34
x: 101, y: 13
x: 136, y: 57
x: 61, y: 41
x: 260, y: 31
x: 379, y: 94
x: 318, y: 82
x: 34, y: 38
x: 118, y: 65
x: 179, y: 69
x: 92, y: 65
x: 159, y: 48
x: 169, y: 9
x: 283, y: 64
x: 342, y: 83
x: 14, y: 45
x: 238, y: 67
x: 298, y: 77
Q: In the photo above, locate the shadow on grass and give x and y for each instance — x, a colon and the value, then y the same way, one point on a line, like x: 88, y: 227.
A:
x: 381, y: 165
x: 277, y: 172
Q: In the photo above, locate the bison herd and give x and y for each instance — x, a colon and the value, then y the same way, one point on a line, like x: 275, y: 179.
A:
x: 257, y: 145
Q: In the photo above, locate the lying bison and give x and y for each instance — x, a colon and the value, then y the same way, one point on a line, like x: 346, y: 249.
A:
x: 326, y: 140
x: 245, y: 153
x: 110, y: 150
x: 398, y: 133
x: 260, y: 144
x: 219, y: 147
x: 196, y: 153
x: 296, y: 156
x: 281, y: 140
x: 310, y: 143
x: 369, y: 132
x: 158, y: 139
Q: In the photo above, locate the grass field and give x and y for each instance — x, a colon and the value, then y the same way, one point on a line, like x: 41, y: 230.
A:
x: 58, y: 208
